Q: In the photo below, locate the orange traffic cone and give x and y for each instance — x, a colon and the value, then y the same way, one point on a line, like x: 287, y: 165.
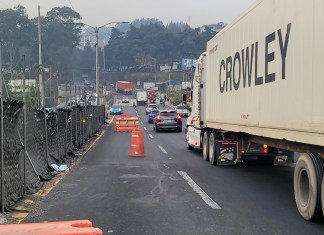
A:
x: 137, y: 143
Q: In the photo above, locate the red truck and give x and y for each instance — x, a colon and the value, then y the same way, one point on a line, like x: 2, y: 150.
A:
x: 151, y: 95
x: 124, y: 87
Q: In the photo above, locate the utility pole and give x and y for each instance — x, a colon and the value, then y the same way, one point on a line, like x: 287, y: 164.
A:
x: 103, y: 55
x: 97, y: 65
x: 40, y: 62
x: 169, y: 77
x: 41, y: 83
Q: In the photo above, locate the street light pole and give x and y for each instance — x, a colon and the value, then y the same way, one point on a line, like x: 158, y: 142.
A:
x: 96, y: 29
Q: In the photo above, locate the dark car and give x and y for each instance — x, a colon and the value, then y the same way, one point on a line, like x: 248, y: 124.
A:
x: 167, y: 120
x: 152, y: 115
x: 116, y: 109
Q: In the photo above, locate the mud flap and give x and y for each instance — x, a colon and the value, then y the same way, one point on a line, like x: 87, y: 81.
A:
x: 226, y: 152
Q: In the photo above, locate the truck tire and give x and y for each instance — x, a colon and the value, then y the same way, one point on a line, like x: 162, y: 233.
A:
x: 308, y: 177
x: 205, y: 145
x: 212, y: 148
x: 322, y: 196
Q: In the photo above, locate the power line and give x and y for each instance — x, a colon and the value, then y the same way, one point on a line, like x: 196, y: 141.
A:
x: 71, y: 5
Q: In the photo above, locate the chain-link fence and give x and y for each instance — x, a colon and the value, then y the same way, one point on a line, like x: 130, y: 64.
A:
x: 28, y: 154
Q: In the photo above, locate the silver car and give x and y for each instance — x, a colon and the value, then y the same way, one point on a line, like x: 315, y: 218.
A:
x: 182, y: 111
x: 150, y: 107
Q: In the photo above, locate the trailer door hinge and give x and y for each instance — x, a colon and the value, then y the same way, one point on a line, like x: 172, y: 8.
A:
x: 201, y: 85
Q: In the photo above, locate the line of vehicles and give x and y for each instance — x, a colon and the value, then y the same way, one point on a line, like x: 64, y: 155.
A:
x: 143, y: 96
x: 258, y: 90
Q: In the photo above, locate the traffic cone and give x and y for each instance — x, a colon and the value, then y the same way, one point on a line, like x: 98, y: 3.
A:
x: 137, y: 143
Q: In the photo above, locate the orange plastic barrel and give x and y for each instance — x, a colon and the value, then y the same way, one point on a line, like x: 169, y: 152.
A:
x: 76, y: 227
x: 137, y: 143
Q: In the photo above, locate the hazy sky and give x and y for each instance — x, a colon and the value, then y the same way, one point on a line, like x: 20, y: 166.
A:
x: 100, y: 12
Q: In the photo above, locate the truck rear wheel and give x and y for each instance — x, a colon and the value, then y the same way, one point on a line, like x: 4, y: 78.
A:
x: 212, y: 149
x: 205, y: 144
x: 308, y: 177
x: 322, y: 196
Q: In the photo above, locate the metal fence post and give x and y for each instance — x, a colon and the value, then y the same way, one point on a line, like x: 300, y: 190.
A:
x: 76, y: 128
x: 24, y: 123
x: 81, y: 129
x: 76, y: 118
x: 71, y: 130
x: 2, y: 136
x: 66, y: 134
x: 57, y: 138
x: 71, y: 126
x: 45, y: 122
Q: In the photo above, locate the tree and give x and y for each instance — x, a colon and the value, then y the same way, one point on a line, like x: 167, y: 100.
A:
x: 60, y: 40
x: 145, y: 62
x: 87, y: 58
x: 113, y: 49
x: 17, y: 35
x: 155, y: 41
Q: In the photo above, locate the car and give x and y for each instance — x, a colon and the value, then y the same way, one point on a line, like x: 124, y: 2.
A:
x: 182, y: 111
x: 116, y: 109
x: 167, y: 120
x: 152, y: 115
x: 150, y: 107
x: 125, y: 99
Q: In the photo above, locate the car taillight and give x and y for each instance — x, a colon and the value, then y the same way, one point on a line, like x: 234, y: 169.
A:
x: 265, y: 148
x: 159, y: 118
x: 178, y: 117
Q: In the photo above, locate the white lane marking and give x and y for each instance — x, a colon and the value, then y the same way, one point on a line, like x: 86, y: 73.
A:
x: 162, y: 149
x: 151, y: 136
x: 142, y: 123
x: 145, y: 128
x: 137, y: 115
x: 210, y: 202
x: 112, y: 119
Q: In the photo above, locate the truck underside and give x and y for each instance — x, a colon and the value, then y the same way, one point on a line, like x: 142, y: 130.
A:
x: 231, y: 148
x: 221, y: 148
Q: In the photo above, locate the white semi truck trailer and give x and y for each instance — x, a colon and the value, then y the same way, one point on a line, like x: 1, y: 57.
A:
x: 141, y: 97
x: 261, y: 81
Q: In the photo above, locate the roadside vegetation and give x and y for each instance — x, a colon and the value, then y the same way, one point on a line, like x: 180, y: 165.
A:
x: 135, y: 51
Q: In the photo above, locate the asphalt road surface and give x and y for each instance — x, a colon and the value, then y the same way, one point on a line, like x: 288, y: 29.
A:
x: 173, y: 191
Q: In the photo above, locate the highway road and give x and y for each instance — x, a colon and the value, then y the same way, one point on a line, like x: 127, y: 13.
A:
x: 172, y: 191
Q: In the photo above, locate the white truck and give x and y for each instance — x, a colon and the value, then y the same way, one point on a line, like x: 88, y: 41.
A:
x: 261, y: 81
x: 182, y: 110
x: 141, y: 97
